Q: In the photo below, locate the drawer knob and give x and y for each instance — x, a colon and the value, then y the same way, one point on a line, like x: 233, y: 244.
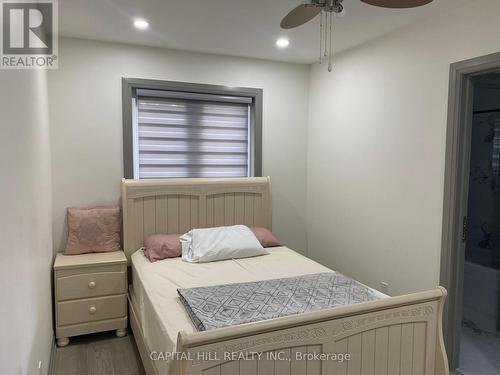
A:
x: 92, y: 310
x: 91, y: 285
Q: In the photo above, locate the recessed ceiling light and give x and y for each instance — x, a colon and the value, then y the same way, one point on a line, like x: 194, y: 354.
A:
x: 282, y: 42
x: 141, y: 24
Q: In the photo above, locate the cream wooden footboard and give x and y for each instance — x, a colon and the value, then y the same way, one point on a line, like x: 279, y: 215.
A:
x: 399, y: 335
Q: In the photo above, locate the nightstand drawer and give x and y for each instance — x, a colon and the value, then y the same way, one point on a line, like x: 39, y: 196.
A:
x: 90, y: 285
x: 91, y: 309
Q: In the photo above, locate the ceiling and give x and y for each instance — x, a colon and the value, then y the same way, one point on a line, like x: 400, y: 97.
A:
x: 246, y: 28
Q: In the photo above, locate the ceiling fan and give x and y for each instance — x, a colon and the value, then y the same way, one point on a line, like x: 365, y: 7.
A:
x: 326, y: 8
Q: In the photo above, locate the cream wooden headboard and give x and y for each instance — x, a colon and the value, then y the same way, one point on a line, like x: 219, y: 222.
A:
x: 178, y: 205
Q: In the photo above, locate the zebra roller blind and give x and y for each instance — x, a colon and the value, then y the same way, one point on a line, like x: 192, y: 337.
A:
x: 182, y: 134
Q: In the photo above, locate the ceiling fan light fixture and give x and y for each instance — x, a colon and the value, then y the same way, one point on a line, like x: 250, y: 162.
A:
x: 326, y: 9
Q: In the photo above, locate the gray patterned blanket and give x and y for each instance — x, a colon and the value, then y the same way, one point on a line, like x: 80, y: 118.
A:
x: 225, y: 305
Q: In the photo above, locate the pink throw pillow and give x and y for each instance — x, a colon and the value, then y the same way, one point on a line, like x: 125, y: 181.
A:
x: 162, y: 246
x: 93, y: 230
x: 265, y: 237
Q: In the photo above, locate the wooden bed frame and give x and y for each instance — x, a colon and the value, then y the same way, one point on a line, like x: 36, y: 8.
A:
x: 397, y: 335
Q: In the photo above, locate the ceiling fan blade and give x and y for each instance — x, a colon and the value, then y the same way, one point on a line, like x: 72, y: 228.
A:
x: 397, y: 3
x: 299, y: 16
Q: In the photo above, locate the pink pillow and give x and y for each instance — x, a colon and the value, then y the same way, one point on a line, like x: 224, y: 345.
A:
x: 162, y: 246
x: 93, y: 230
x: 265, y: 237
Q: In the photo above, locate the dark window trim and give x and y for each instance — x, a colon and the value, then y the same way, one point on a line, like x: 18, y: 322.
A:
x: 129, y: 85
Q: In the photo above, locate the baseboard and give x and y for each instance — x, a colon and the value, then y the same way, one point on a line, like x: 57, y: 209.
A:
x: 52, y: 360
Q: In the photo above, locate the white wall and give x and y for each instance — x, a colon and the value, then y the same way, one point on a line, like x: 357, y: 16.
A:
x: 374, y: 138
x: 376, y: 148
x: 25, y: 224
x: 86, y: 123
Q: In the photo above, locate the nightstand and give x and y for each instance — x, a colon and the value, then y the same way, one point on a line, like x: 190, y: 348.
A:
x: 90, y: 294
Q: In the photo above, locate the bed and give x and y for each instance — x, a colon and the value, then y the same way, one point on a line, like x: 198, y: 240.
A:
x: 392, y: 335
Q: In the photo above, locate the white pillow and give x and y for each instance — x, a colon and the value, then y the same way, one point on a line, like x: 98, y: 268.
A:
x: 211, y: 244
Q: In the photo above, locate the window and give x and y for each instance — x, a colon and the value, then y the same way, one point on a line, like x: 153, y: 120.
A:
x: 176, y: 130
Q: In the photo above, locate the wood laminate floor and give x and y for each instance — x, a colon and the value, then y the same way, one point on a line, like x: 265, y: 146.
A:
x: 99, y: 354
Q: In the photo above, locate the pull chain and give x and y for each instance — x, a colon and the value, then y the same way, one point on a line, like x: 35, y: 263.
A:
x: 326, y: 31
x: 330, y: 48
x: 325, y: 54
x: 321, y: 37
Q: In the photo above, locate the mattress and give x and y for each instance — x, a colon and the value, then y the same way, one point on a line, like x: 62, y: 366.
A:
x: 159, y: 310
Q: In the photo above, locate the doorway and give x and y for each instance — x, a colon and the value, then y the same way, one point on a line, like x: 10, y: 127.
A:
x: 480, y: 336
x: 470, y: 262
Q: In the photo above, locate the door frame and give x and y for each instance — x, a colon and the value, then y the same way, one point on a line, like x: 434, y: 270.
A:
x: 456, y: 188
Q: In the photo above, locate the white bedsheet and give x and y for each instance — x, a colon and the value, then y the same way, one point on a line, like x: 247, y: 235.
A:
x: 160, y: 313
